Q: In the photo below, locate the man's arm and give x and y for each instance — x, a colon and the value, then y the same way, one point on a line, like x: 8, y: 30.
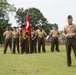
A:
x: 58, y: 33
x: 4, y: 34
x: 50, y: 33
x: 45, y: 34
x: 35, y: 36
x: 64, y: 31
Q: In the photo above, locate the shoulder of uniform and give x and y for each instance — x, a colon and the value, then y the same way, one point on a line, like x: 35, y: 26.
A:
x: 74, y: 25
x: 18, y: 31
x: 10, y: 30
x: 66, y: 27
x: 43, y: 31
x: 4, y: 32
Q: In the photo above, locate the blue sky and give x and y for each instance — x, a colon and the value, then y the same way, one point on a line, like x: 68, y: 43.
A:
x: 56, y: 11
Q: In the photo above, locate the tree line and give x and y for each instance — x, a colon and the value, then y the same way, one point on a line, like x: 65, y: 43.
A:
x: 37, y: 18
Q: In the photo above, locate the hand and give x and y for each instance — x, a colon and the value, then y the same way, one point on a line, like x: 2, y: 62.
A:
x: 66, y: 35
x: 73, y: 34
x: 33, y: 39
x: 70, y: 35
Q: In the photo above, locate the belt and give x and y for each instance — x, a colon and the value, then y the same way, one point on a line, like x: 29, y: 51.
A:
x: 41, y: 37
x: 8, y: 38
x: 54, y: 37
x: 70, y: 38
x: 15, y: 38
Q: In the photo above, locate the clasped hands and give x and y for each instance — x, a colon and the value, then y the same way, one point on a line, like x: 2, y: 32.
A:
x: 70, y: 35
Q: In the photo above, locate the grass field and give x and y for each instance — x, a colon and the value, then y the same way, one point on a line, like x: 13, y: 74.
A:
x: 36, y: 64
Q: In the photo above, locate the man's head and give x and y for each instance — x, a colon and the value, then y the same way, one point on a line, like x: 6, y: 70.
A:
x: 32, y: 27
x: 40, y: 27
x: 54, y: 28
x: 15, y: 28
x: 70, y: 19
x: 7, y: 28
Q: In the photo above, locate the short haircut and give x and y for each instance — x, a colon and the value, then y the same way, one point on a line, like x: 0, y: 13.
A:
x: 69, y: 17
x: 40, y: 26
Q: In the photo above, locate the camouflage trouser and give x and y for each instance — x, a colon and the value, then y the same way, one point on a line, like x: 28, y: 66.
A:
x: 15, y: 43
x: 54, y: 42
x: 7, y: 42
x: 33, y: 46
x: 24, y: 45
x: 36, y: 45
x: 41, y: 41
x: 70, y: 42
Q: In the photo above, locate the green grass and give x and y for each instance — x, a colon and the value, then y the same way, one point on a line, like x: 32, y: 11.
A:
x: 36, y: 64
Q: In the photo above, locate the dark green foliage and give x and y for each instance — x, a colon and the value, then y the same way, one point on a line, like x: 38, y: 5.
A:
x: 5, y: 8
x: 37, y: 18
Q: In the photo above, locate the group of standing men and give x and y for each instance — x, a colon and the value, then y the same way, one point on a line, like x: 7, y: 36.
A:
x: 12, y: 39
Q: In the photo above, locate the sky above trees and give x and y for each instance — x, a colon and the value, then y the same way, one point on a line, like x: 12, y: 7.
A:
x: 56, y: 11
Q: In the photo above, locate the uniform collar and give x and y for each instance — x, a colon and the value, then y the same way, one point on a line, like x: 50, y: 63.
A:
x: 70, y: 24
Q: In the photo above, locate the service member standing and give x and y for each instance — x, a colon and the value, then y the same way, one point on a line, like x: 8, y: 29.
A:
x: 33, y: 40
x: 70, y: 34
x: 41, y: 34
x: 24, y: 42
x: 54, y: 33
x: 8, y: 39
x: 15, y: 36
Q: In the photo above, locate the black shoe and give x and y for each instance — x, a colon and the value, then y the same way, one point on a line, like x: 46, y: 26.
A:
x: 58, y: 50
x: 52, y: 51
x: 39, y: 52
x: 69, y: 65
x: 35, y: 51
